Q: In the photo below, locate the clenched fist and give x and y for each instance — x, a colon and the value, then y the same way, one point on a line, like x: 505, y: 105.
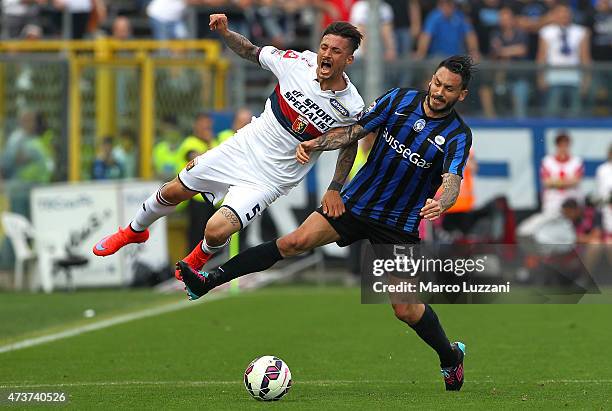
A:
x: 218, y: 22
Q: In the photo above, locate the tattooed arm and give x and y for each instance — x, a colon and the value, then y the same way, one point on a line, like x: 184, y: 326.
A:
x: 346, y: 158
x: 338, y: 137
x: 332, y: 140
x: 235, y: 41
x: 451, y: 183
x: 332, y: 203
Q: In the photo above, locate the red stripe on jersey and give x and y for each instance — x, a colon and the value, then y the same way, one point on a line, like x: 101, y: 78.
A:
x: 291, y: 115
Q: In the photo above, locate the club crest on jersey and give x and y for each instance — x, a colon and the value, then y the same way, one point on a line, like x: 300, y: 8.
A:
x: 299, y: 125
x: 336, y: 105
x: 419, y: 125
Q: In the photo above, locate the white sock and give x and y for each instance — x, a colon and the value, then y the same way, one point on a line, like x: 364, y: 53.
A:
x: 151, y: 210
x: 210, y: 249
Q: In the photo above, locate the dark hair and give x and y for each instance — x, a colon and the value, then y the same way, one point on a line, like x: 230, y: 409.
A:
x: 345, y: 30
x: 562, y: 136
x: 462, y: 65
x: 570, y: 203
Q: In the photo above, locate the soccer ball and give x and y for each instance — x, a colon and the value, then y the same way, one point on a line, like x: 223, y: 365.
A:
x: 267, y: 378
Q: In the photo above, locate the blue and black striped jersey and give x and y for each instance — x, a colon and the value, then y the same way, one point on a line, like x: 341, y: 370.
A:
x: 407, y: 161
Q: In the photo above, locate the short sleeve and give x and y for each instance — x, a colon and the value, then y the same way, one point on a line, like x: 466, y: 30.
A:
x: 277, y: 61
x: 378, y: 112
x: 457, y: 153
x: 359, y: 13
x: 386, y: 13
x: 430, y: 23
x: 546, y: 33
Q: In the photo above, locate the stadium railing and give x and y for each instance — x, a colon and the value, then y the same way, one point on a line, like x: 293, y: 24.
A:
x: 503, y: 81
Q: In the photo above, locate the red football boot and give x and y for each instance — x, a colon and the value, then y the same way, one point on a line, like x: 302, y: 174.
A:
x: 195, y: 260
x: 124, y: 236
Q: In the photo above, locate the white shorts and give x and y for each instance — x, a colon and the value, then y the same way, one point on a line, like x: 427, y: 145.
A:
x: 223, y: 173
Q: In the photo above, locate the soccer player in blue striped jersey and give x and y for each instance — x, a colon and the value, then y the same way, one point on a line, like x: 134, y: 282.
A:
x: 421, y: 143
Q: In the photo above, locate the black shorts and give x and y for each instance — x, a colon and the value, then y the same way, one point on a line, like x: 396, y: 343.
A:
x: 352, y: 228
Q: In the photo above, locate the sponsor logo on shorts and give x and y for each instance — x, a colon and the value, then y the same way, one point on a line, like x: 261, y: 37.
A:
x: 337, y: 105
x: 299, y: 125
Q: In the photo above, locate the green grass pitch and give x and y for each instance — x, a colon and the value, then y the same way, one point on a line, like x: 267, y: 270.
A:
x: 343, y: 355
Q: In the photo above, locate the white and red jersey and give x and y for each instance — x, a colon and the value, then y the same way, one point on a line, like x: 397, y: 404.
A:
x: 555, y: 168
x: 298, y: 110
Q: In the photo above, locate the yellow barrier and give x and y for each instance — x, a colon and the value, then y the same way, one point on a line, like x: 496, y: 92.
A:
x: 104, y: 54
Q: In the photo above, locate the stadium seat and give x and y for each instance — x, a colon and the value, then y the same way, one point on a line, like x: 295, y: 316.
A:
x: 21, y: 233
x: 49, y: 259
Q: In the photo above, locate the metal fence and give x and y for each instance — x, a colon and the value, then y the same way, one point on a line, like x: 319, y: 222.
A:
x: 85, y: 90
x: 496, y: 91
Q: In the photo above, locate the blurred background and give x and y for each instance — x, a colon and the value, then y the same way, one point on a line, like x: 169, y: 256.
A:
x: 103, y: 100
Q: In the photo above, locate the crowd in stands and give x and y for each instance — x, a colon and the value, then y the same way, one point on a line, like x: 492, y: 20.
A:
x: 415, y: 28
x: 501, y: 32
x: 570, y: 216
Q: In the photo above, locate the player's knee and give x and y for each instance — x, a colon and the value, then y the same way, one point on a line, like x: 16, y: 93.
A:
x: 174, y: 192
x: 293, y: 244
x: 215, y: 234
x: 408, y: 313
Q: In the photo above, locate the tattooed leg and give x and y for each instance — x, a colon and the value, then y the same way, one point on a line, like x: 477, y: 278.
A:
x: 221, y: 226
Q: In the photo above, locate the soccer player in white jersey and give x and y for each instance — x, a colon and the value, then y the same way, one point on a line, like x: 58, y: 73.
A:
x: 258, y: 164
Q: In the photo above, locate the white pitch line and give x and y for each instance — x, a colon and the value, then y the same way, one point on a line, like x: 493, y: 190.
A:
x: 98, y: 325
x: 575, y: 382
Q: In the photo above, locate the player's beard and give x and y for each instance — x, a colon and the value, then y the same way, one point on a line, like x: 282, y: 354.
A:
x: 444, y: 110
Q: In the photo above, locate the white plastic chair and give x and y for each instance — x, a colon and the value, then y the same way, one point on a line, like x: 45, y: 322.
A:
x: 21, y: 233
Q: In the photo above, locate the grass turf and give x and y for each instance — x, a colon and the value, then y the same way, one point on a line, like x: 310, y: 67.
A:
x: 342, y: 355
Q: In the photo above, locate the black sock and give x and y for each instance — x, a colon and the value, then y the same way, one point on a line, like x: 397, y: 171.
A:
x: 255, y: 259
x: 430, y: 330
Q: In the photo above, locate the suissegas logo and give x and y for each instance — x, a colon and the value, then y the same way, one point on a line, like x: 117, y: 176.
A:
x: 414, y: 158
